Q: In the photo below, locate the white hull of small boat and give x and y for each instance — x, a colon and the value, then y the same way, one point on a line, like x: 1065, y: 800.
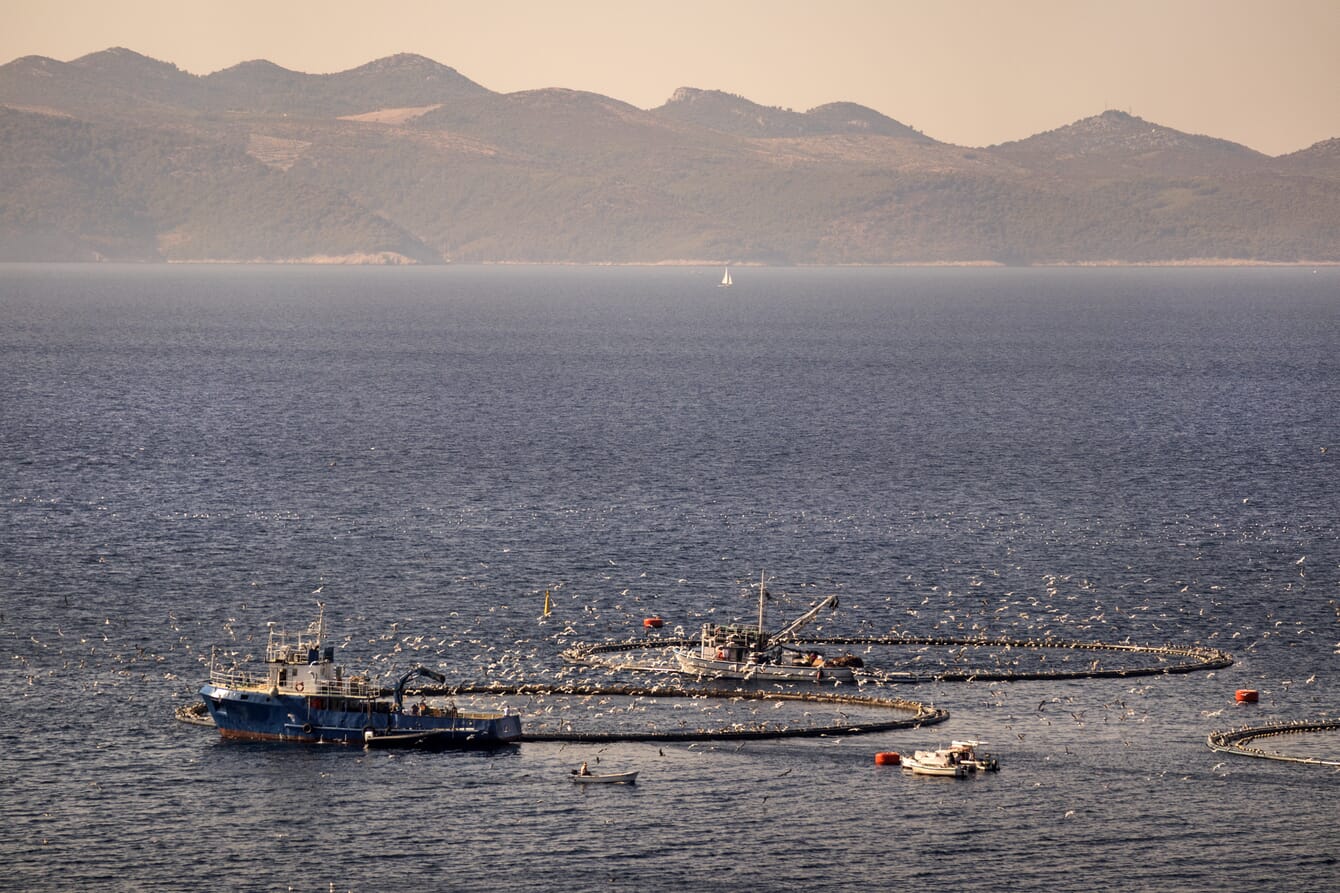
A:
x: 934, y: 767
x: 689, y: 662
x: 614, y: 778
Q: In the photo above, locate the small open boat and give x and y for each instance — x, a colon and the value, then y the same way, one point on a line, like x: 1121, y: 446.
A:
x: 613, y: 778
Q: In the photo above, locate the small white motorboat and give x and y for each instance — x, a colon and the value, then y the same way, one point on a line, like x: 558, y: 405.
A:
x: 612, y: 778
x: 935, y: 762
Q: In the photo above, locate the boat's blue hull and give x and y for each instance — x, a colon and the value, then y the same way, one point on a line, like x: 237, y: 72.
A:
x: 260, y: 716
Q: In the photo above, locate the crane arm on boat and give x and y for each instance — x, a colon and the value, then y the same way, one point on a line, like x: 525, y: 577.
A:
x: 794, y: 626
x: 404, y: 680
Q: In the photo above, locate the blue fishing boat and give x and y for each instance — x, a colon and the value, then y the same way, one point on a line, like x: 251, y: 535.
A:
x: 304, y: 696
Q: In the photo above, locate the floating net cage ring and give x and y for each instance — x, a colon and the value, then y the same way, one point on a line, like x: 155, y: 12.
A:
x: 1239, y: 741
x: 921, y: 714
x: 1182, y: 658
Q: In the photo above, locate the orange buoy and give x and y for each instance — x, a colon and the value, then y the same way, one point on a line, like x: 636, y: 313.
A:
x: 887, y: 758
x: 1248, y: 695
x: 653, y: 623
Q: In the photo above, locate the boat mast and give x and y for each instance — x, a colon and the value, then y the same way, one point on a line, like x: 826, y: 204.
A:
x: 320, y: 626
x: 762, y: 594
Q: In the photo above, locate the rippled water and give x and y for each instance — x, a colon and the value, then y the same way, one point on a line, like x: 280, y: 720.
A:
x: 1090, y: 454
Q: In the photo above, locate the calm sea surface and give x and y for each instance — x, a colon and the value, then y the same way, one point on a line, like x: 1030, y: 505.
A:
x: 188, y: 453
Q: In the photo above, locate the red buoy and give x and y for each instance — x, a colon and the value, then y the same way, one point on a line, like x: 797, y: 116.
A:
x: 1248, y: 695
x: 653, y: 623
x: 887, y: 758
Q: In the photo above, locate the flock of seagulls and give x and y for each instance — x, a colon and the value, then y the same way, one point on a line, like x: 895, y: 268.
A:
x: 503, y: 642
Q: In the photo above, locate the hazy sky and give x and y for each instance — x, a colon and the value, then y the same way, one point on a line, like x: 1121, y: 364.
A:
x: 1265, y: 73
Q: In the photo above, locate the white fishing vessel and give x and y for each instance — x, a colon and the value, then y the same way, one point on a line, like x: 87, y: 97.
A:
x: 726, y: 281
x: 735, y: 651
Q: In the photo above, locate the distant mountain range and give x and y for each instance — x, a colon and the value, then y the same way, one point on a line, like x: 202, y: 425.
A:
x: 115, y: 156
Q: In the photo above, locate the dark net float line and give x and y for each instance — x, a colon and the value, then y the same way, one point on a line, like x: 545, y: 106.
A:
x: 922, y: 714
x: 1238, y: 740
x: 1189, y: 659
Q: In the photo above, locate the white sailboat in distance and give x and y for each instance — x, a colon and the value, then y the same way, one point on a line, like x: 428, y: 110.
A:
x: 725, y: 280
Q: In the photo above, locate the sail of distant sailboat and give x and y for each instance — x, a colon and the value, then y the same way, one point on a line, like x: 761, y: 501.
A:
x: 725, y: 280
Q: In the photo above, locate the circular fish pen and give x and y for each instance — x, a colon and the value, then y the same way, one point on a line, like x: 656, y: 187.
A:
x: 1240, y: 741
x: 580, y: 713
x: 909, y: 659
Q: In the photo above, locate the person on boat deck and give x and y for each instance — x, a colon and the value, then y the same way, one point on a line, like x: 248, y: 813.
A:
x: 583, y: 770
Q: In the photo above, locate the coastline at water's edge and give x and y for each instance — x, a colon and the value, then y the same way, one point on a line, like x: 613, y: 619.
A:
x: 396, y: 260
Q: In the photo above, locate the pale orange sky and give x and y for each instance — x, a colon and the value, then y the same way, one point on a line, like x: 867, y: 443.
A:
x: 971, y: 72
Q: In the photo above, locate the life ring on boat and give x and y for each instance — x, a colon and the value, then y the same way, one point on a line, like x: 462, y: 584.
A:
x: 297, y: 686
x: 307, y: 728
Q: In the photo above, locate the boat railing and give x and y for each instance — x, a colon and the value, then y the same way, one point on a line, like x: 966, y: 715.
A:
x: 233, y: 677
x: 733, y: 636
x: 285, y: 652
x: 352, y: 687
x: 299, y: 647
